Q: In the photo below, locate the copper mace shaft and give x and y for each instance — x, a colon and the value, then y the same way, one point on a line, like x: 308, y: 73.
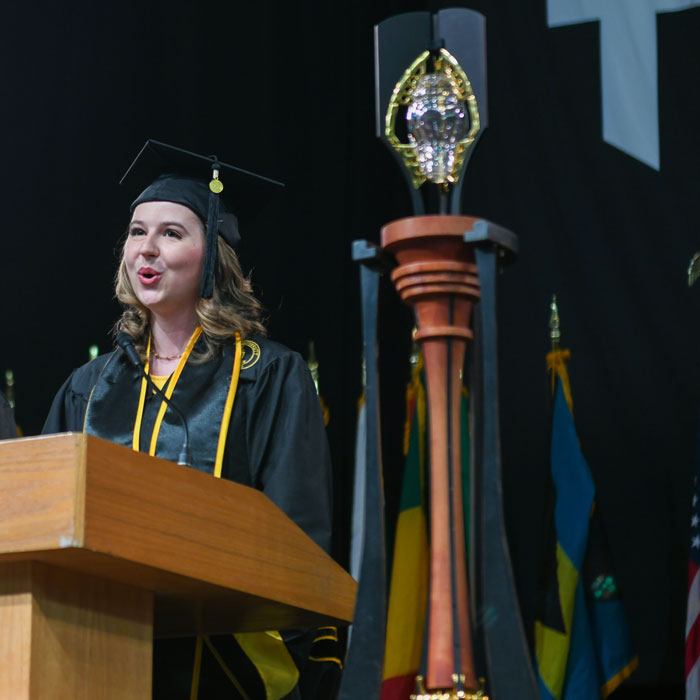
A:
x: 437, y: 275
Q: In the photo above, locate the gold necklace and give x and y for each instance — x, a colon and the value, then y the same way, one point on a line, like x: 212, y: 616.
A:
x: 166, y: 359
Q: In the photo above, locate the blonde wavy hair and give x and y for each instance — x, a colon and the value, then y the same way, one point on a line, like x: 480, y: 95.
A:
x: 233, y: 308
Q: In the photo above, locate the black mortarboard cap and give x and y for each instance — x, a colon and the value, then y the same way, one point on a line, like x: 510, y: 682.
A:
x: 217, y: 192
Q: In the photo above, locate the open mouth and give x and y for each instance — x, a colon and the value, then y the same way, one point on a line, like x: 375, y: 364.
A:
x: 148, y: 275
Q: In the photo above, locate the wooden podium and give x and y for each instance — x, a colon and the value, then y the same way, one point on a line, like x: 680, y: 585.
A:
x: 102, y: 547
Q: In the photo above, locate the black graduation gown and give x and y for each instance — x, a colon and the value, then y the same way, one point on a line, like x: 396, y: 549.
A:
x: 276, y: 442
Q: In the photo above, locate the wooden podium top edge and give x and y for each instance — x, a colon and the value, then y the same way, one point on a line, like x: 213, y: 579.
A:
x: 146, y: 515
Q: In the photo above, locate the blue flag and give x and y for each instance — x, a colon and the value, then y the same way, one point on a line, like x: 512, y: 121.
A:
x: 581, y: 638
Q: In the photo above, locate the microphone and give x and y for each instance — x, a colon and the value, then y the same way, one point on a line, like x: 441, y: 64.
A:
x: 126, y: 343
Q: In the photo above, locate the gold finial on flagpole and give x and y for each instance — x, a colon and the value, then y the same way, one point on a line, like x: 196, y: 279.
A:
x: 554, y: 324
x: 557, y: 358
x: 10, y: 387
x: 312, y: 364
x: 414, y: 358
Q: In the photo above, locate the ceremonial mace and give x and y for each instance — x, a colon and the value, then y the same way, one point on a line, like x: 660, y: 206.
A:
x: 431, y: 109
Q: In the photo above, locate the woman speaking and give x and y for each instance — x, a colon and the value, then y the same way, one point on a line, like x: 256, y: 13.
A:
x: 236, y: 405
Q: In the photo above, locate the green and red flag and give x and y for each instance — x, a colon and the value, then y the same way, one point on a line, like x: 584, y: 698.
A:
x: 408, y: 593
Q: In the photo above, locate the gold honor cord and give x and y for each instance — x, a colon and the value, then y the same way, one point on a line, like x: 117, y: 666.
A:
x: 171, y: 387
x: 272, y: 660
x: 266, y: 650
x: 136, y: 437
x: 218, y: 465
x: 228, y: 408
x: 168, y: 393
x: 225, y: 668
x: 194, y: 688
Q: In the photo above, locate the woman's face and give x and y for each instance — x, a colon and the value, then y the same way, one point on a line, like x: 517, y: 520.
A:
x: 164, y: 256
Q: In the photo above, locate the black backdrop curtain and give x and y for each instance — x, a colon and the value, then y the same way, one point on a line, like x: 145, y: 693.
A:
x: 286, y: 89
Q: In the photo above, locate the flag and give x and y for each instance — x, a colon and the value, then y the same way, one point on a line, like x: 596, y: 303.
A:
x: 582, y: 643
x: 692, y: 625
x: 408, y: 594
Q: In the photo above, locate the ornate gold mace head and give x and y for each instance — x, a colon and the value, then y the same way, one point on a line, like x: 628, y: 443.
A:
x: 441, y: 119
